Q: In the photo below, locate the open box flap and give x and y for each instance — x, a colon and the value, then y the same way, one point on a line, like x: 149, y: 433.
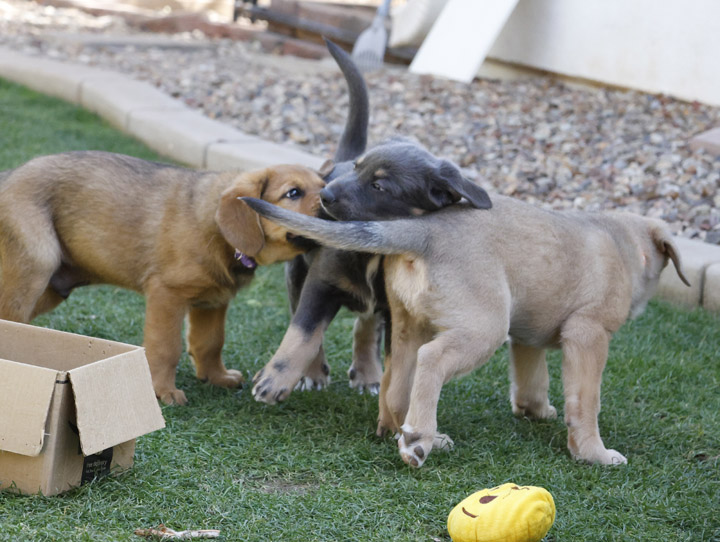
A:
x: 114, y: 401
x: 25, y: 395
x: 58, y: 350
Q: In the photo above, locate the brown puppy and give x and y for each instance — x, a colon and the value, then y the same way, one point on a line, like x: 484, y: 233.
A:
x: 180, y: 237
x: 460, y: 280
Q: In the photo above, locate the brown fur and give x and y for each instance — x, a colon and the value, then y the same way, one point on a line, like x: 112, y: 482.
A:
x: 167, y: 232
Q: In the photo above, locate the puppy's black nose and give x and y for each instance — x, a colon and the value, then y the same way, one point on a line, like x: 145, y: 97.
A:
x: 326, y: 196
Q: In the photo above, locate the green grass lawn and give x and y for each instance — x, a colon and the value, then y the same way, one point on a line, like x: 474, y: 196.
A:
x: 312, y: 469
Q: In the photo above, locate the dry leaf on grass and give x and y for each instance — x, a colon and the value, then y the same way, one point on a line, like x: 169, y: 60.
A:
x: 165, y: 533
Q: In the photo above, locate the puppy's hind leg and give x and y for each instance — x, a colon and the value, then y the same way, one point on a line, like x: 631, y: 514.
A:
x: 205, y: 337
x: 63, y: 281
x: 585, y: 350
x: 407, y: 336
x: 28, y: 260
x: 366, y: 370
x: 47, y: 302
x: 24, y: 297
x: 317, y: 374
x: 529, y: 383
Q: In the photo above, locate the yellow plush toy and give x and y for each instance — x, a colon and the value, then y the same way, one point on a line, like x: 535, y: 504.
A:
x: 507, y: 513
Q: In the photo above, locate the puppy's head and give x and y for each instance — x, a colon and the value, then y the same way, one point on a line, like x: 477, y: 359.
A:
x: 295, y: 188
x: 398, y: 179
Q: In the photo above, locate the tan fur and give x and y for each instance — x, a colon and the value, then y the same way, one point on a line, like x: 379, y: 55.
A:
x: 408, y: 276
x: 167, y: 232
x: 295, y: 376
x: 460, y: 280
x: 548, y: 280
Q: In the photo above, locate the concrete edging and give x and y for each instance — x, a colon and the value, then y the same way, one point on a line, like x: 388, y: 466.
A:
x: 701, y: 265
x: 171, y: 128
x: 164, y: 124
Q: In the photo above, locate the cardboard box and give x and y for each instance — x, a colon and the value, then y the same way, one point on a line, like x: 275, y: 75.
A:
x: 70, y: 408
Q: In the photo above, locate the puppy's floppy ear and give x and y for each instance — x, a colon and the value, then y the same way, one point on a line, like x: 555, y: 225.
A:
x: 238, y: 223
x: 449, y: 186
x: 664, y: 243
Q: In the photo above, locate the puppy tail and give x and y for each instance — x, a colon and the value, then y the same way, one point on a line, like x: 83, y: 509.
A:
x: 354, y: 138
x: 383, y: 237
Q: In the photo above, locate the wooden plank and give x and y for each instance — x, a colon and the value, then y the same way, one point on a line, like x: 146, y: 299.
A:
x: 460, y: 39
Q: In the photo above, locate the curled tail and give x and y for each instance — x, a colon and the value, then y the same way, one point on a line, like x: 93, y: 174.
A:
x: 354, y: 138
x: 383, y: 237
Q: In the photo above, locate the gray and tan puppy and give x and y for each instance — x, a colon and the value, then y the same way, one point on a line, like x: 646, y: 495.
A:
x: 460, y: 280
x: 394, y: 180
x: 178, y: 236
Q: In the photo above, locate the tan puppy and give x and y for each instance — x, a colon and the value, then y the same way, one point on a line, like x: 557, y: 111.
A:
x: 460, y: 280
x: 178, y: 236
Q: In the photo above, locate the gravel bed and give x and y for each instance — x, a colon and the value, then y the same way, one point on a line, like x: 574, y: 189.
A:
x: 539, y: 139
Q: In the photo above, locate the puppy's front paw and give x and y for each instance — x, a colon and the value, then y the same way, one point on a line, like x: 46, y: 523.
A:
x: 316, y: 377
x: 613, y: 457
x: 228, y: 379
x: 309, y: 384
x: 605, y: 457
x: 361, y: 381
x: 596, y: 453
x: 414, y: 447
x: 265, y: 389
x: 535, y: 412
x: 172, y: 397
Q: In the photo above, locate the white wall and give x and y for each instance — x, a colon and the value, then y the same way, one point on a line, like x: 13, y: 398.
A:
x: 668, y: 46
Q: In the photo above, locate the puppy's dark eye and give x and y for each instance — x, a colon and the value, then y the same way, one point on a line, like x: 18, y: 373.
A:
x: 377, y: 187
x: 293, y: 193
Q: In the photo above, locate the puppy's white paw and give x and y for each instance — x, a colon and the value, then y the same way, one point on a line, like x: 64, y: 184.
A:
x: 603, y: 457
x: 613, y: 457
x: 443, y: 442
x: 412, y: 453
x: 415, y: 447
